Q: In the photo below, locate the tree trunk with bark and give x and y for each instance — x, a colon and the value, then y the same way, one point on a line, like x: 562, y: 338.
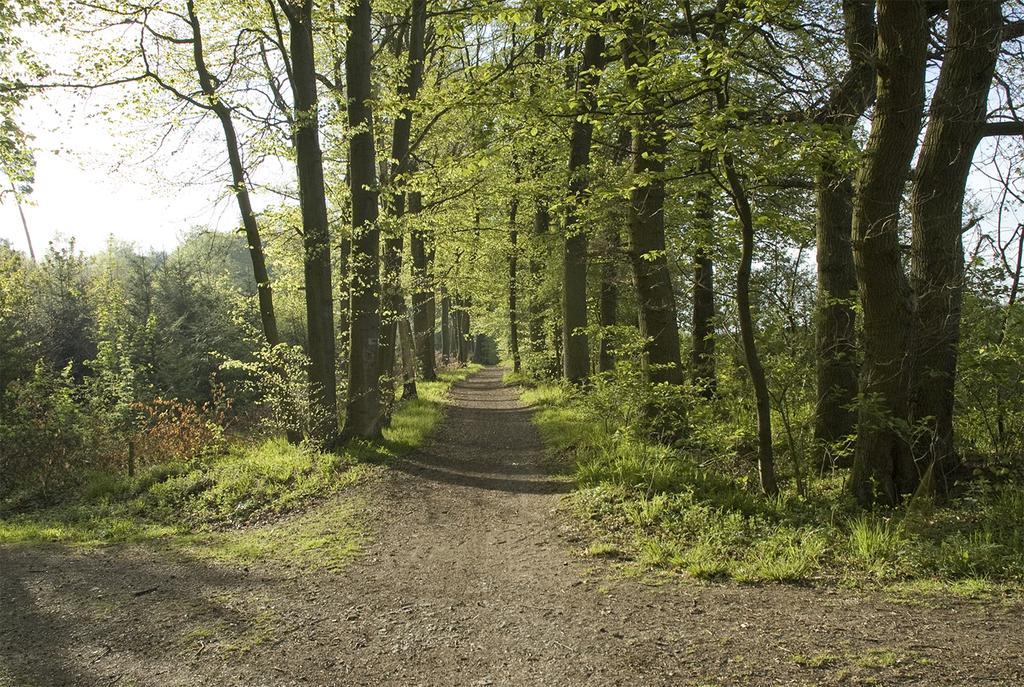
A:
x: 835, y: 335
x: 702, y: 351
x: 609, y: 300
x: 424, y: 300
x: 576, y: 353
x: 364, y: 419
x: 955, y: 122
x: 835, y: 330
x: 513, y: 286
x: 391, y: 305
x: 651, y: 278
x: 541, y: 215
x: 316, y: 240
x: 464, y: 332
x: 446, y: 329
x: 765, y: 452
x: 538, y: 241
x: 392, y: 297
x: 345, y: 306
x: 408, y: 358
x: 702, y: 345
x: 883, y: 467
x: 239, y: 185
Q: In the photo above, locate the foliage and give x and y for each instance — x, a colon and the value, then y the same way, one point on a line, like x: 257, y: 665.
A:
x: 275, y: 378
x: 199, y: 502
x: 46, y: 433
x: 667, y: 508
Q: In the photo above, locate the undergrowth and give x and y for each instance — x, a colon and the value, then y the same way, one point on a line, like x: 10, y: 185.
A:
x: 667, y: 508
x: 229, y: 505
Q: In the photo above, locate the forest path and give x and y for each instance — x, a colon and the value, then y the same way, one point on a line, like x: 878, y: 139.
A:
x: 469, y: 579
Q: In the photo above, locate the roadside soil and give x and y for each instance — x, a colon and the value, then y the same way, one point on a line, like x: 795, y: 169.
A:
x: 471, y: 576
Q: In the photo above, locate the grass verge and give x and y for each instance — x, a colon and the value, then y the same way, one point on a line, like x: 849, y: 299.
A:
x: 247, y: 504
x: 658, y: 509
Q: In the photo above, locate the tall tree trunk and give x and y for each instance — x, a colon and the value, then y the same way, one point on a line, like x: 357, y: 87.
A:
x: 456, y: 317
x: 702, y: 346
x: 400, y: 143
x: 541, y: 215
x: 835, y: 333
x: 345, y: 307
x: 651, y: 278
x: 611, y: 255
x: 513, y: 286
x: 391, y: 305
x: 835, y: 336
x: 364, y: 418
x: 541, y: 228
x: 446, y: 329
x: 239, y: 185
x: 609, y: 300
x: 576, y: 354
x: 316, y: 239
x: 464, y: 331
x: 556, y: 335
x: 883, y: 468
x: 408, y: 358
x: 423, y: 297
x: 765, y: 455
x: 956, y: 117
x: 702, y: 352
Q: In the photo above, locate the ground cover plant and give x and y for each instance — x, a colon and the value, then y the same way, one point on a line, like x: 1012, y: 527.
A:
x: 678, y: 508
x: 227, y: 501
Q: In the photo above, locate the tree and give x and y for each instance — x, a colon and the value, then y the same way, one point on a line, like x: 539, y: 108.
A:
x: 239, y: 184
x: 835, y: 329
x: 315, y: 231
x: 649, y: 136
x: 702, y: 353
x: 883, y: 467
x: 576, y: 350
x: 364, y: 411
x: 400, y: 157
x: 955, y: 125
x: 513, y: 285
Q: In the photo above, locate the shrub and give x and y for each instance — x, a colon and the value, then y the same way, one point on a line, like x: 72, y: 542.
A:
x: 45, y: 433
x: 173, y: 430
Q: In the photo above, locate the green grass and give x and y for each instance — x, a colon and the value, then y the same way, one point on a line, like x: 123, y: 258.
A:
x: 823, y: 659
x: 246, y: 485
x: 248, y: 504
x: 661, y: 508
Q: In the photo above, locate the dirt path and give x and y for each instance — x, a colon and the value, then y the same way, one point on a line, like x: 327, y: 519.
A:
x: 471, y: 579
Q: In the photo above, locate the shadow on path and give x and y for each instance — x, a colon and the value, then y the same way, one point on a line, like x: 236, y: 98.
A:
x: 486, y: 441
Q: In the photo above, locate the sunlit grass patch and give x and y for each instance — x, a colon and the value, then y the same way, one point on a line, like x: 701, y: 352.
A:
x: 324, y: 538
x: 822, y: 659
x: 228, y: 507
x: 876, y: 544
x: 70, y: 526
x: 602, y: 550
x: 669, y: 508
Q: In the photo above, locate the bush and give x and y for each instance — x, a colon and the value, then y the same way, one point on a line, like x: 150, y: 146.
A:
x: 45, y: 434
x: 173, y: 430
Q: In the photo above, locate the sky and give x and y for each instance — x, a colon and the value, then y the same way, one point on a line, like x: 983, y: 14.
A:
x: 91, y: 184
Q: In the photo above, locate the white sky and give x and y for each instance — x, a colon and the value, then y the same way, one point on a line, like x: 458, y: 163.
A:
x: 88, y: 186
